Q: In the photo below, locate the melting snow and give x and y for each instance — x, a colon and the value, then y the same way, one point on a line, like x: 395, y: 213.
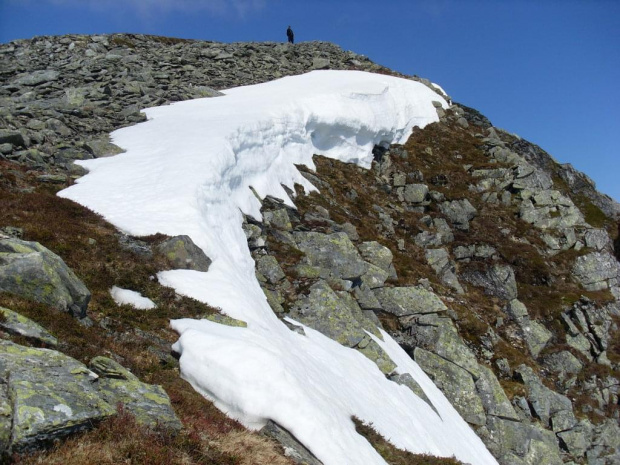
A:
x: 126, y: 296
x: 188, y: 170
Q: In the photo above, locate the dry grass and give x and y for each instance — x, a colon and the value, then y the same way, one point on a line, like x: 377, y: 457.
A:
x: 395, y: 456
x: 120, y: 440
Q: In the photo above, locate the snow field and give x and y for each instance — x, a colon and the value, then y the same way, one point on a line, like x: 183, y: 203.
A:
x: 188, y: 169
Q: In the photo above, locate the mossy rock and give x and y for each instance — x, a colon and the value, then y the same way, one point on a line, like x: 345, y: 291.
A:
x: 52, y: 395
x: 31, y: 271
x: 15, y: 323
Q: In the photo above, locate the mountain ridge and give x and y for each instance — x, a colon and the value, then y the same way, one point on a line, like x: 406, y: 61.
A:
x: 45, y: 123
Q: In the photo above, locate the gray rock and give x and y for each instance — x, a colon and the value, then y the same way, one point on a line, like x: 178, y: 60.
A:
x: 183, y: 254
x: 148, y: 403
x: 536, y: 336
x: 456, y: 384
x: 278, y: 219
x: 497, y: 280
x: 406, y: 379
x: 597, y: 271
x: 15, y: 138
x: 512, y: 437
x: 102, y: 148
x: 597, y: 239
x: 459, y: 212
x: 15, y: 323
x: 377, y: 254
x: 493, y: 396
x: 553, y: 409
x: 36, y: 78
x: 33, y: 272
x: 564, y: 364
x: 293, y: 449
x: 440, y: 262
x: 404, y: 301
x: 52, y: 395
x: 415, y: 193
x: 339, y: 317
x: 269, y: 267
x: 335, y: 252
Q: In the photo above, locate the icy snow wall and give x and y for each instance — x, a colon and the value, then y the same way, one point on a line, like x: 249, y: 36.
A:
x: 188, y: 169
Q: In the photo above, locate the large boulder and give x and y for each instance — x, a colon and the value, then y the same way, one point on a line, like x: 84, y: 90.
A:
x: 597, y: 270
x: 338, y: 316
x: 334, y: 252
x: 45, y: 395
x: 31, y: 271
x: 148, y: 403
x: 50, y: 395
x: 183, y: 254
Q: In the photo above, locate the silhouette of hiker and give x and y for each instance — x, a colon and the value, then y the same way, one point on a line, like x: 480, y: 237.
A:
x: 290, y: 35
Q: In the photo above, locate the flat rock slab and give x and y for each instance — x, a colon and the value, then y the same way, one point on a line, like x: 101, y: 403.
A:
x: 18, y: 324
x: 404, y: 301
x: 50, y: 394
x: 335, y: 252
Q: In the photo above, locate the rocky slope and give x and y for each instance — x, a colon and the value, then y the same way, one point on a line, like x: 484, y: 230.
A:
x: 490, y: 263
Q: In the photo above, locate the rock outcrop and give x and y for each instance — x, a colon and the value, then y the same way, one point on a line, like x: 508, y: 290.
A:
x: 491, y: 264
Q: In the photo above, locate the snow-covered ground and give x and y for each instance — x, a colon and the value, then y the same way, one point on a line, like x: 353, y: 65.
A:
x: 188, y: 170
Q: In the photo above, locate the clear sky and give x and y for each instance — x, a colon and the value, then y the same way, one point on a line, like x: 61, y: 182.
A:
x: 547, y: 70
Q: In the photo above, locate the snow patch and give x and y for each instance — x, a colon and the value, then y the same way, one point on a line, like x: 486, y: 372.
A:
x: 64, y: 409
x: 128, y: 297
x: 188, y: 171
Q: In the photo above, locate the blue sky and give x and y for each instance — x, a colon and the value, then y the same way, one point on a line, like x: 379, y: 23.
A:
x: 547, y: 70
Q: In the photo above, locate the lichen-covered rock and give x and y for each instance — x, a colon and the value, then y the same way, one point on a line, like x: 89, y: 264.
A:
x: 459, y: 212
x: 439, y: 336
x: 149, y: 403
x: 493, y: 397
x: 415, y: 193
x: 278, y: 219
x: 339, y: 317
x: 404, y: 301
x: 183, y: 254
x: 514, y: 438
x: 226, y: 320
x: 334, y: 251
x: 597, y: 239
x: 497, y: 280
x: 597, y: 271
x: 440, y: 262
x: 565, y: 365
x: 456, y: 384
x: 407, y: 380
x: 377, y: 254
x: 293, y: 449
x: 52, y: 395
x: 554, y: 410
x: 33, y: 272
x: 268, y: 266
x: 15, y: 323
x: 536, y: 336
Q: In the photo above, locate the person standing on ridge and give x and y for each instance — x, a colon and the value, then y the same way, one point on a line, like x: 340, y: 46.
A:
x: 290, y: 35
